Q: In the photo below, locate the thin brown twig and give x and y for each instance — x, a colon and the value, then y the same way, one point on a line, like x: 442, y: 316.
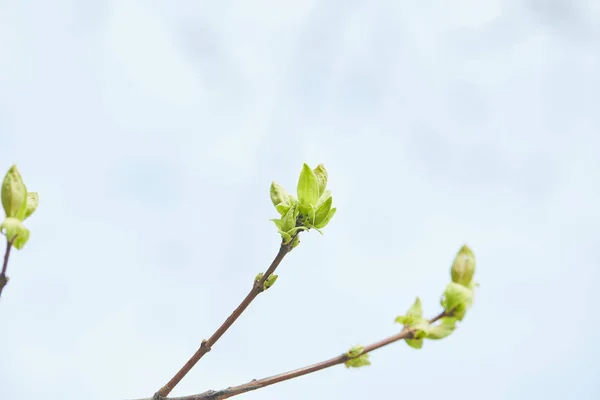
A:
x: 207, y: 344
x: 3, y: 277
x: 255, y: 384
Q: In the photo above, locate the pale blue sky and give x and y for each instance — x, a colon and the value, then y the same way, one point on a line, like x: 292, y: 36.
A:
x: 152, y: 131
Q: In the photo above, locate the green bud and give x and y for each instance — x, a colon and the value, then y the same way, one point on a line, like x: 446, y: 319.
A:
x: 355, y: 358
x: 14, y: 194
x: 270, y: 281
x: 279, y: 194
x: 463, y: 267
x: 355, y: 351
x: 33, y: 200
x: 321, y: 174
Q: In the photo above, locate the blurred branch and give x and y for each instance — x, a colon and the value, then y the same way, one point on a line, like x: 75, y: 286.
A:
x: 3, y: 277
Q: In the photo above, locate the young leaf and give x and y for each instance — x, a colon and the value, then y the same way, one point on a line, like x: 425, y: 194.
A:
x: 358, y: 362
x: 414, y: 343
x: 455, y: 295
x: 416, y: 310
x: 446, y: 326
x: 32, y: 202
x: 323, y: 211
x: 308, y: 188
x: 321, y: 174
x: 324, y: 223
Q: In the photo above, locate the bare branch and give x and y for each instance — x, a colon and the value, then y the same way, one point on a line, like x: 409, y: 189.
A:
x: 254, y: 384
x: 206, y: 345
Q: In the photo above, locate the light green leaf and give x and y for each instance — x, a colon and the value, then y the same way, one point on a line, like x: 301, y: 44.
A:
x: 324, y: 223
x: 420, y: 328
x: 278, y: 223
x: 33, y: 200
x: 414, y: 343
x: 416, y: 310
x: 15, y: 231
x: 282, y: 208
x: 308, y: 189
x: 456, y: 300
x: 321, y: 174
x: 288, y: 221
x: 361, y: 361
x: 455, y: 295
x: 446, y: 326
x: 285, y: 236
x: 323, y: 211
x: 355, y: 351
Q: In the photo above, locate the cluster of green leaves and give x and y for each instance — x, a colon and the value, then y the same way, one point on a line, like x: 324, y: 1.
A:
x: 18, y: 205
x: 311, y: 210
x: 457, y: 298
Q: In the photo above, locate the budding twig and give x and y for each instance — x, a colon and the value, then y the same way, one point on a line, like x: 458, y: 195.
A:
x: 207, y: 344
x: 3, y: 277
x: 406, y: 333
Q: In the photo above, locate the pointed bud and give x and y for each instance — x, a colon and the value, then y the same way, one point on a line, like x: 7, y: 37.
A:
x: 278, y: 194
x: 321, y: 174
x: 463, y: 267
x: 14, y: 194
x: 33, y: 200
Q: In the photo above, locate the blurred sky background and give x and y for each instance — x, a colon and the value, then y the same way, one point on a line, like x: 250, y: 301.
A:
x: 152, y: 131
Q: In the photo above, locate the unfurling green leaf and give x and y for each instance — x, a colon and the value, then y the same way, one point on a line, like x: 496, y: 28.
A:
x: 446, y: 326
x: 280, y: 197
x: 14, y: 194
x: 323, y: 211
x: 33, y: 200
x: 414, y: 343
x: 15, y: 231
x: 325, y: 221
x: 258, y: 277
x: 416, y: 310
x: 456, y: 299
x: 463, y: 267
x: 321, y: 174
x: 308, y: 189
x: 355, y: 358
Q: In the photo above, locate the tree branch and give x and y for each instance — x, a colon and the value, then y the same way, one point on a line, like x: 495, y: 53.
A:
x: 254, y: 384
x: 206, y: 345
x: 3, y: 277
